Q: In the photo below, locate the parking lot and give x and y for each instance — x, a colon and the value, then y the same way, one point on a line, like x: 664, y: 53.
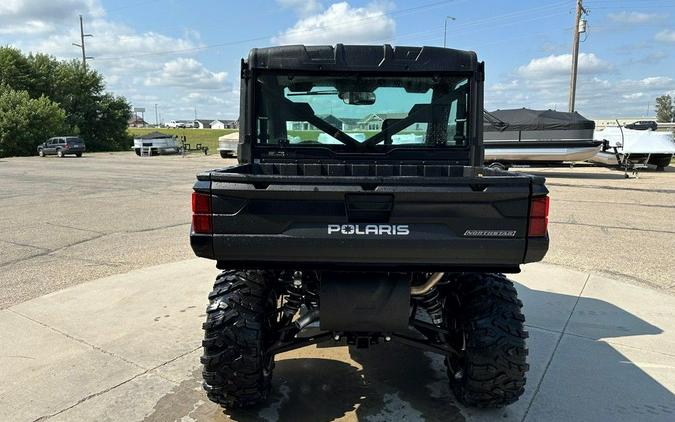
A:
x: 96, y: 267
x: 66, y: 221
x: 70, y: 220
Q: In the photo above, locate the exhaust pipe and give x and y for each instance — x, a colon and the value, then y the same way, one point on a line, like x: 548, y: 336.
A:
x: 307, y: 318
x: 424, y: 288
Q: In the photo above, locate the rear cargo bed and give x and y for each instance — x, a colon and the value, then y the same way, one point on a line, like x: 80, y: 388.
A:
x: 400, y: 217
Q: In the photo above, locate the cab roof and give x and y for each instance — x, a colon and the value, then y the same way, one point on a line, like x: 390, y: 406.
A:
x: 366, y: 58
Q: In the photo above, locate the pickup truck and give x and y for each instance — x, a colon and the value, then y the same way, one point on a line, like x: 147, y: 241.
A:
x: 397, y: 234
x: 176, y: 124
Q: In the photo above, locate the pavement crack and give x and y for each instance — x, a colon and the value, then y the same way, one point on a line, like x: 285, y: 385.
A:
x: 111, y: 388
x: 51, y: 251
x: 79, y: 340
x: 607, y: 187
x: 90, y: 396
x: 170, y: 226
x: 555, y: 349
x: 631, y: 204
x: 25, y: 245
x: 171, y: 361
x: 74, y: 228
x: 574, y: 223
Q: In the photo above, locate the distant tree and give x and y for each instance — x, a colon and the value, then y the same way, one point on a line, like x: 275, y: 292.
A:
x: 26, y: 122
x: 98, y: 117
x: 112, y: 116
x: 664, y: 109
x: 15, y: 70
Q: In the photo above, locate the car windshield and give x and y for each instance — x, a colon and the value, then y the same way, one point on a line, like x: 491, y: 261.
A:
x: 353, y: 112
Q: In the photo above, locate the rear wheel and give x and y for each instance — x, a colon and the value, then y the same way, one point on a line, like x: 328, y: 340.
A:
x: 59, y: 153
x: 661, y: 162
x: 484, y: 314
x: 237, y: 371
x: 78, y: 154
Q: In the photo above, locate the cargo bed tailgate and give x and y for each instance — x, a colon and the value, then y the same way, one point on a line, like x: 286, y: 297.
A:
x: 398, y: 223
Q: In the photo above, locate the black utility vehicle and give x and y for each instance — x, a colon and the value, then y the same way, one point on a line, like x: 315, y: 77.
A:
x: 361, y: 213
x: 643, y: 125
x: 62, y: 146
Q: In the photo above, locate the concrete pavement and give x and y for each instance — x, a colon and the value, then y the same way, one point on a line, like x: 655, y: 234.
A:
x: 126, y: 347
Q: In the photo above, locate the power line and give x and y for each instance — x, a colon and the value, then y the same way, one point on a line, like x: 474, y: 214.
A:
x: 267, y: 37
x: 81, y: 45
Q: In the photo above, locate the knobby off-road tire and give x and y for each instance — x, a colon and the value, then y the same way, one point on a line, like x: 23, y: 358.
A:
x: 236, y: 370
x: 486, y: 309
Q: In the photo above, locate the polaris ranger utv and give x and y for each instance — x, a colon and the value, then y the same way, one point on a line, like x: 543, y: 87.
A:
x: 361, y: 213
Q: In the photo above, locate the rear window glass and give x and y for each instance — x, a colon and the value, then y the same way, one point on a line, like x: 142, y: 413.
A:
x: 74, y: 140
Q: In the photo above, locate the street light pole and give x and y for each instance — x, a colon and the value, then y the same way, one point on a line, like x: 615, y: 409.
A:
x: 445, y: 30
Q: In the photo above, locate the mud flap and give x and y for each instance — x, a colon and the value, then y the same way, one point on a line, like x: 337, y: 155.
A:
x: 364, y: 302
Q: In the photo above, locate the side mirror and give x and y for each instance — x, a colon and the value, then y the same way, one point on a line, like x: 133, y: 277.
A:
x: 357, y: 98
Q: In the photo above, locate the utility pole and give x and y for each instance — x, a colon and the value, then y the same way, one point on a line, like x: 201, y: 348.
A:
x: 575, y: 55
x: 445, y: 30
x: 81, y: 45
x: 156, y: 116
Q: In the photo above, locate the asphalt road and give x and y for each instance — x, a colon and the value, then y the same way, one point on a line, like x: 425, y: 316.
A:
x: 603, y: 223
x: 67, y: 221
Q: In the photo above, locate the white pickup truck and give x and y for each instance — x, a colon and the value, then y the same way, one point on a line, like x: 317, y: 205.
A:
x: 176, y: 124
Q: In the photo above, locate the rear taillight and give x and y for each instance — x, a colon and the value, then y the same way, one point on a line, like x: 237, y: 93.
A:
x: 538, y: 223
x: 202, y: 221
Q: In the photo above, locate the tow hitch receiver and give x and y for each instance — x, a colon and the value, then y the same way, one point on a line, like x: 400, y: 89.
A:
x: 358, y: 302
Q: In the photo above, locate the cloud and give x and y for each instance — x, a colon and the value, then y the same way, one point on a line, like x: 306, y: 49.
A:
x: 595, y: 96
x: 38, y: 16
x: 344, y: 23
x: 554, y: 65
x: 187, y: 73
x: 544, y: 83
x: 634, y: 18
x: 667, y: 35
x: 132, y: 62
x: 301, y: 7
x: 633, y: 96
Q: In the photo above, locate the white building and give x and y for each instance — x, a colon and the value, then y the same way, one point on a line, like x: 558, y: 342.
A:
x: 224, y: 124
x: 217, y: 124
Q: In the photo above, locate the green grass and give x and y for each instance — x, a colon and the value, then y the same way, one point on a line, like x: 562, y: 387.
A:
x: 209, y: 137
x: 312, y: 135
x: 206, y: 137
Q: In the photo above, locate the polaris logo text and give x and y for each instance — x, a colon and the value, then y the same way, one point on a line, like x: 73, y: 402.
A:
x: 369, y: 229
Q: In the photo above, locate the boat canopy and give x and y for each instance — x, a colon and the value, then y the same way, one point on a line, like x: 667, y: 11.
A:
x: 528, y: 119
x: 154, y: 135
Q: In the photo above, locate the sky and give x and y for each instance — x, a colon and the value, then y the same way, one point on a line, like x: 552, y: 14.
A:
x: 184, y: 56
